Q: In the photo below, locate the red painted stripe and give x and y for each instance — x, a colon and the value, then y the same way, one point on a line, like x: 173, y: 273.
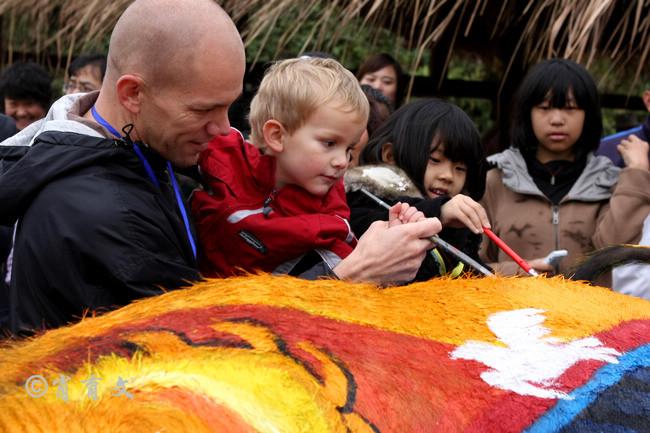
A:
x: 405, y: 383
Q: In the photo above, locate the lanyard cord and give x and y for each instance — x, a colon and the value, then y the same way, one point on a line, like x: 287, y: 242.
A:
x: 152, y: 176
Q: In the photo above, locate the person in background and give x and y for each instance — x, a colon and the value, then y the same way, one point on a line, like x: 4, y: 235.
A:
x: 380, y: 109
x: 7, y: 127
x: 26, y: 89
x: 630, y: 279
x: 634, y: 279
x: 609, y: 145
x: 382, y: 72
x: 85, y: 74
x: 549, y: 191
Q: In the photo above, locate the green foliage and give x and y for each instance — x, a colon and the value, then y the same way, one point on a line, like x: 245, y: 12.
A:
x: 350, y: 44
x: 464, y: 66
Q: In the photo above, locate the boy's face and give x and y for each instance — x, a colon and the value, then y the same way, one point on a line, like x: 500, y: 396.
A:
x: 316, y: 155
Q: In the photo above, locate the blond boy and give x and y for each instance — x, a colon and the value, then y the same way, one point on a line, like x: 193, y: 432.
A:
x: 283, y: 210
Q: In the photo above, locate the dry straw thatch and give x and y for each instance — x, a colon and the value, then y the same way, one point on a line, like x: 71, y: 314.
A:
x: 577, y: 29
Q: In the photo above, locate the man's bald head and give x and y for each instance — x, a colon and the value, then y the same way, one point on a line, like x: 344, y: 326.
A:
x: 174, y: 68
x: 165, y: 40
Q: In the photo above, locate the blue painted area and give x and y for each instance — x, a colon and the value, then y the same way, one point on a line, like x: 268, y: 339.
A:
x: 633, y: 402
x: 565, y: 411
x: 642, y: 375
x: 586, y: 426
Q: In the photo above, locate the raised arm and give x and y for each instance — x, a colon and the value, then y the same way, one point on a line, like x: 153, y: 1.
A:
x: 621, y: 220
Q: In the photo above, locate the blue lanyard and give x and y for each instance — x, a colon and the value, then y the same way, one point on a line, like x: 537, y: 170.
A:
x: 152, y: 176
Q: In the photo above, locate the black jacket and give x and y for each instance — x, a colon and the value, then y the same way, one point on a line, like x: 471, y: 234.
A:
x: 94, y: 232
x: 7, y: 127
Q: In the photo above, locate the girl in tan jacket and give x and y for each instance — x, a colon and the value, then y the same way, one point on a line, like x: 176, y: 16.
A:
x: 549, y: 191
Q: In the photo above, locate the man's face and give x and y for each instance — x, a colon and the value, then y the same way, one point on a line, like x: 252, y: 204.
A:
x: 86, y: 79
x: 179, y: 119
x: 23, y: 111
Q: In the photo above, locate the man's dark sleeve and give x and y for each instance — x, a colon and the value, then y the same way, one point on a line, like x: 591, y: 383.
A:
x: 82, y: 246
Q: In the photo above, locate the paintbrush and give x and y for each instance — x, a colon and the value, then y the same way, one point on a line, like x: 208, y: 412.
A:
x: 509, y: 251
x: 441, y: 243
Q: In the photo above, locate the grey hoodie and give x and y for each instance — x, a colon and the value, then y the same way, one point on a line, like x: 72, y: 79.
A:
x: 594, y: 184
x: 605, y: 206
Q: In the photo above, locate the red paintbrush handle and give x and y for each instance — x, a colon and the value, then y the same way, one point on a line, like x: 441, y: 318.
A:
x: 506, y: 249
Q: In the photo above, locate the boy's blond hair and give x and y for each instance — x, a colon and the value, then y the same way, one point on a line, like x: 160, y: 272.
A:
x: 293, y: 89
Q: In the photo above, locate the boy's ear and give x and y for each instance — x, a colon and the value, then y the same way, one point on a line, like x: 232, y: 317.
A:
x: 273, y: 133
x: 387, y: 153
x: 129, y: 92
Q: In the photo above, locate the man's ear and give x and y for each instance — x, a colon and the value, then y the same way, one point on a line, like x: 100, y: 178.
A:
x: 129, y: 92
x: 273, y: 132
x: 646, y: 99
x: 387, y: 153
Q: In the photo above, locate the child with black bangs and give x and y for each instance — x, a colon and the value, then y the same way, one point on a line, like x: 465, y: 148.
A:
x: 549, y: 191
x: 427, y: 154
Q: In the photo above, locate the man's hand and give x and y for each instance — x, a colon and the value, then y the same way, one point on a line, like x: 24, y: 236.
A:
x: 463, y: 211
x: 389, y: 255
x: 634, y: 152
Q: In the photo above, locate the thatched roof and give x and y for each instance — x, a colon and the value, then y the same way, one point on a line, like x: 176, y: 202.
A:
x: 531, y: 30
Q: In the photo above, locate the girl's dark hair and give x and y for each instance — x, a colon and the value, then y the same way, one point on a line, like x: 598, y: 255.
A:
x: 557, y: 78
x: 412, y: 129
x: 379, y: 61
x: 27, y: 80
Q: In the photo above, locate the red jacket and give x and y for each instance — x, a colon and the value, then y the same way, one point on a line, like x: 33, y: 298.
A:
x: 244, y: 224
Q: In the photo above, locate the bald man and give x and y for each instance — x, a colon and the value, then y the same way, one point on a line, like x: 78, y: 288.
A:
x: 100, y: 218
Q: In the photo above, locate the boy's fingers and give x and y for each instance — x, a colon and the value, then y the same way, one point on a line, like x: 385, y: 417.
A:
x: 410, y: 212
x: 394, y: 211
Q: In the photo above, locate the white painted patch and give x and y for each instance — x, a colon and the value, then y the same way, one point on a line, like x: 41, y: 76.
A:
x: 531, y: 362
x: 385, y: 177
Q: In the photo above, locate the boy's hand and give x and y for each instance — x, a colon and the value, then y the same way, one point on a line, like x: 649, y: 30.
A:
x: 634, y: 152
x: 403, y: 213
x: 463, y: 211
